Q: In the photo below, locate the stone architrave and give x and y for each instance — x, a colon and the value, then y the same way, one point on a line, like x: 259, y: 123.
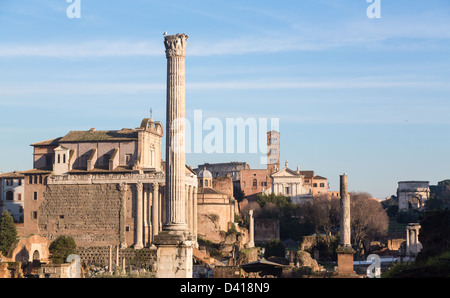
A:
x: 175, y: 242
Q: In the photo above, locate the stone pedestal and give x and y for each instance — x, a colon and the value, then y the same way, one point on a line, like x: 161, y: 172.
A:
x: 345, y: 261
x: 174, y: 254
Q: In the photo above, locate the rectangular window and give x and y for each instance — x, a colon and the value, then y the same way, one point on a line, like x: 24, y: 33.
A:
x: 34, y: 215
x: 19, y: 197
x: 314, y: 184
x: 322, y: 184
x: 31, y: 180
x: 35, y: 196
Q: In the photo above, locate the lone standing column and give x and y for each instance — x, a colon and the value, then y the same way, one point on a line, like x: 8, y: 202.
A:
x: 345, y: 251
x: 251, y: 242
x: 175, y: 116
x: 175, y: 242
x: 345, y: 213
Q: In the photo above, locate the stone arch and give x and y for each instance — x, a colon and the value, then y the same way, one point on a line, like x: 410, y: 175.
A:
x: 415, y: 202
x: 36, y: 255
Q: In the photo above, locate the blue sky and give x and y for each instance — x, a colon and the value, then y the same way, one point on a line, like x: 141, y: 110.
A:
x: 368, y: 97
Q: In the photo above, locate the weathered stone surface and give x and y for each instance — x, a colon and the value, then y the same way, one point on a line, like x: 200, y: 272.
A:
x: 88, y: 213
x: 304, y: 259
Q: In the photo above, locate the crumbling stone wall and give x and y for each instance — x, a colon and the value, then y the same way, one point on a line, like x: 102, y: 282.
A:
x: 87, y: 213
x: 266, y: 229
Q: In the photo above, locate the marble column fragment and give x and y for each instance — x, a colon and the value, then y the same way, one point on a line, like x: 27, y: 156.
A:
x: 251, y: 242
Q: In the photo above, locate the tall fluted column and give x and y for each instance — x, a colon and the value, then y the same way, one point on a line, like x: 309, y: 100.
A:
x: 175, y: 152
x: 139, y: 216
x: 175, y: 243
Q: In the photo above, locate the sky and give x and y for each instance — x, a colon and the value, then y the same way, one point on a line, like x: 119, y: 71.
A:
x: 351, y: 92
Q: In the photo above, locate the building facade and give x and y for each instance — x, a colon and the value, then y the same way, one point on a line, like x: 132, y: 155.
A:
x: 12, y: 195
x: 254, y: 181
x: 101, y: 187
x: 216, y: 206
x: 291, y: 184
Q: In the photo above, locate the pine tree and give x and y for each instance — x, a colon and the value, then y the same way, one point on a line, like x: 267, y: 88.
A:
x: 61, y: 248
x: 8, y: 232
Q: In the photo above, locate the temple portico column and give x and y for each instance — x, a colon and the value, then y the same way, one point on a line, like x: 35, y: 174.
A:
x: 155, y: 210
x: 195, y: 211
x: 123, y: 188
x: 139, y: 216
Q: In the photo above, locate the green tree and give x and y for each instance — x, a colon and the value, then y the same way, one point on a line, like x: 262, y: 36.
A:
x: 281, y: 207
x: 238, y: 193
x: 61, y: 248
x: 274, y: 248
x: 434, y: 234
x: 8, y: 232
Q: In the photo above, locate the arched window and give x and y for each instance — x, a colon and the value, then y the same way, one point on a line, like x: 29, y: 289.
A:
x: 59, y: 158
x: 206, y: 183
x: 9, y: 195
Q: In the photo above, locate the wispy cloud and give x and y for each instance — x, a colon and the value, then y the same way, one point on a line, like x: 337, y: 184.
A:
x: 65, y: 88
x: 92, y: 49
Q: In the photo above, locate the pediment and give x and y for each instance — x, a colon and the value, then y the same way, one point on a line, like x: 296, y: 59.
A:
x: 286, y: 172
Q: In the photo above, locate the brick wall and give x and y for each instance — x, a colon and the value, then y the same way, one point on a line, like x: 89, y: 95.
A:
x: 88, y: 213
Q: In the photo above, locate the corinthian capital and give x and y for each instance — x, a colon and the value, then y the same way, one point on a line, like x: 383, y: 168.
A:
x: 175, y: 45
